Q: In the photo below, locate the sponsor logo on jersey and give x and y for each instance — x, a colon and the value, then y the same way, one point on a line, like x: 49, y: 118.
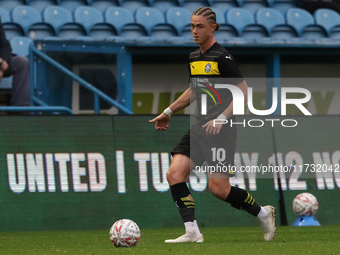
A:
x: 207, y: 68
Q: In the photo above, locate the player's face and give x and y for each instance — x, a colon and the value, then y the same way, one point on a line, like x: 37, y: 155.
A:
x: 202, y: 29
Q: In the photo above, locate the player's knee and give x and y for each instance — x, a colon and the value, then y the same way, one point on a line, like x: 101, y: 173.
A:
x: 171, y: 176
x: 174, y: 176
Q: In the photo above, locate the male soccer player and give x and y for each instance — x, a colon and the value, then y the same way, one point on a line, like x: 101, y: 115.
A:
x: 211, y: 60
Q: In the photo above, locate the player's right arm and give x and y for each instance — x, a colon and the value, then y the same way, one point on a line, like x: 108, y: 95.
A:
x: 162, y: 120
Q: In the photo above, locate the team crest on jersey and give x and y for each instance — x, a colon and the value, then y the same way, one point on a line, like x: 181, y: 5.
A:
x: 207, y: 68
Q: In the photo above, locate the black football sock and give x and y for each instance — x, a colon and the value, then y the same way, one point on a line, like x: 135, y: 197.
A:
x: 180, y: 194
x: 242, y: 200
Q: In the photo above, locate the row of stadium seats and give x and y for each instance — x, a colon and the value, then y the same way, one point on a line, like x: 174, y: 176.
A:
x: 162, y: 5
x: 148, y: 23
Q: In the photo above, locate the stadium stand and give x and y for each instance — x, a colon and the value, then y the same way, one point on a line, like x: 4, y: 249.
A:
x: 223, y: 5
x: 178, y: 17
x: 40, y: 31
x: 193, y: 5
x: 87, y: 17
x: 101, y: 31
x: 269, y: 18
x: 328, y: 19
x: 4, y: 14
x: 70, y: 31
x: 239, y: 18
x: 12, y: 30
x: 10, y: 4
x: 129, y: 33
x: 133, y: 5
x: 56, y: 16
x: 20, y: 45
x: 102, y: 5
x: 253, y: 5
x: 71, y: 5
x: 304, y: 24
x: 118, y: 17
x: 25, y: 16
x: 163, y: 5
x: 40, y: 5
x: 282, y: 5
x: 149, y: 17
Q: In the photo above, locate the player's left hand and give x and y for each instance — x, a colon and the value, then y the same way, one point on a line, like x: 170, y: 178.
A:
x: 162, y: 121
x: 213, y: 127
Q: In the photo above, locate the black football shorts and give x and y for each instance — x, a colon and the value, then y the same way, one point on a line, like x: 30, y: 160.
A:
x: 212, y: 153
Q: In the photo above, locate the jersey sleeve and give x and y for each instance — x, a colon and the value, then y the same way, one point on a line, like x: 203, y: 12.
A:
x: 229, y: 68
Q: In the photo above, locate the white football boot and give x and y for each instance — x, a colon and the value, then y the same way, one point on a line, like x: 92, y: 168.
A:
x: 188, y: 237
x: 268, y: 223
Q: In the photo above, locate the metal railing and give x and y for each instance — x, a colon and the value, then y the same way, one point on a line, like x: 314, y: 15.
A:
x: 36, y: 55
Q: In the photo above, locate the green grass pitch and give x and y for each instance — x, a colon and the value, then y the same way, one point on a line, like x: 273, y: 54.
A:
x: 323, y: 240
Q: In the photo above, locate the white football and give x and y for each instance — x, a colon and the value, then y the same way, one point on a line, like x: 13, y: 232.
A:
x: 305, y: 204
x: 124, y: 233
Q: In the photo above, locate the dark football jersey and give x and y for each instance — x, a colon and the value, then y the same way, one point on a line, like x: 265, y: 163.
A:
x: 205, y: 69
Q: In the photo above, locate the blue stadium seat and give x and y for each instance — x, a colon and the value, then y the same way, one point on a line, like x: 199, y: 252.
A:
x: 314, y: 32
x: 304, y: 24
x: 193, y: 5
x: 269, y: 18
x: 118, y: 17
x: 186, y: 32
x: 335, y: 33
x: 40, y: 31
x: 87, y: 16
x: 149, y: 17
x: 163, y: 32
x: 282, y: 5
x: 4, y: 15
x: 225, y: 33
x: 239, y: 18
x: 178, y: 17
x: 223, y: 5
x: 299, y: 19
x: 102, y: 5
x: 56, y: 16
x: 26, y: 16
x: 253, y: 5
x: 328, y: 19
x: 220, y: 17
x: 133, y: 5
x: 163, y: 5
x: 159, y: 34
x: 254, y: 32
x: 40, y: 5
x: 129, y: 33
x: 6, y: 83
x: 71, y: 5
x: 20, y: 45
x: 284, y: 32
x: 10, y: 4
x: 70, y: 31
x: 101, y: 31
x: 13, y: 30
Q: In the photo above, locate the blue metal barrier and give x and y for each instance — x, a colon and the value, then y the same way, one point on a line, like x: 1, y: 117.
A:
x: 38, y: 55
x: 35, y: 109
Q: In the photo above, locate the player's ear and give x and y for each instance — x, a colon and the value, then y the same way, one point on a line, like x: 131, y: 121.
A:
x: 213, y: 27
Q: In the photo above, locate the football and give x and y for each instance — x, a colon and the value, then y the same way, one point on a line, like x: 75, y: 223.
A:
x: 124, y: 233
x: 305, y: 204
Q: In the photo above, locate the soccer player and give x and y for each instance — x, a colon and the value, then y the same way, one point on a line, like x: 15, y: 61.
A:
x: 211, y: 60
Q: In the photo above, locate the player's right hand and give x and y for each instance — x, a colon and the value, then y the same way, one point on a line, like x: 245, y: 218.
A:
x: 162, y: 121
